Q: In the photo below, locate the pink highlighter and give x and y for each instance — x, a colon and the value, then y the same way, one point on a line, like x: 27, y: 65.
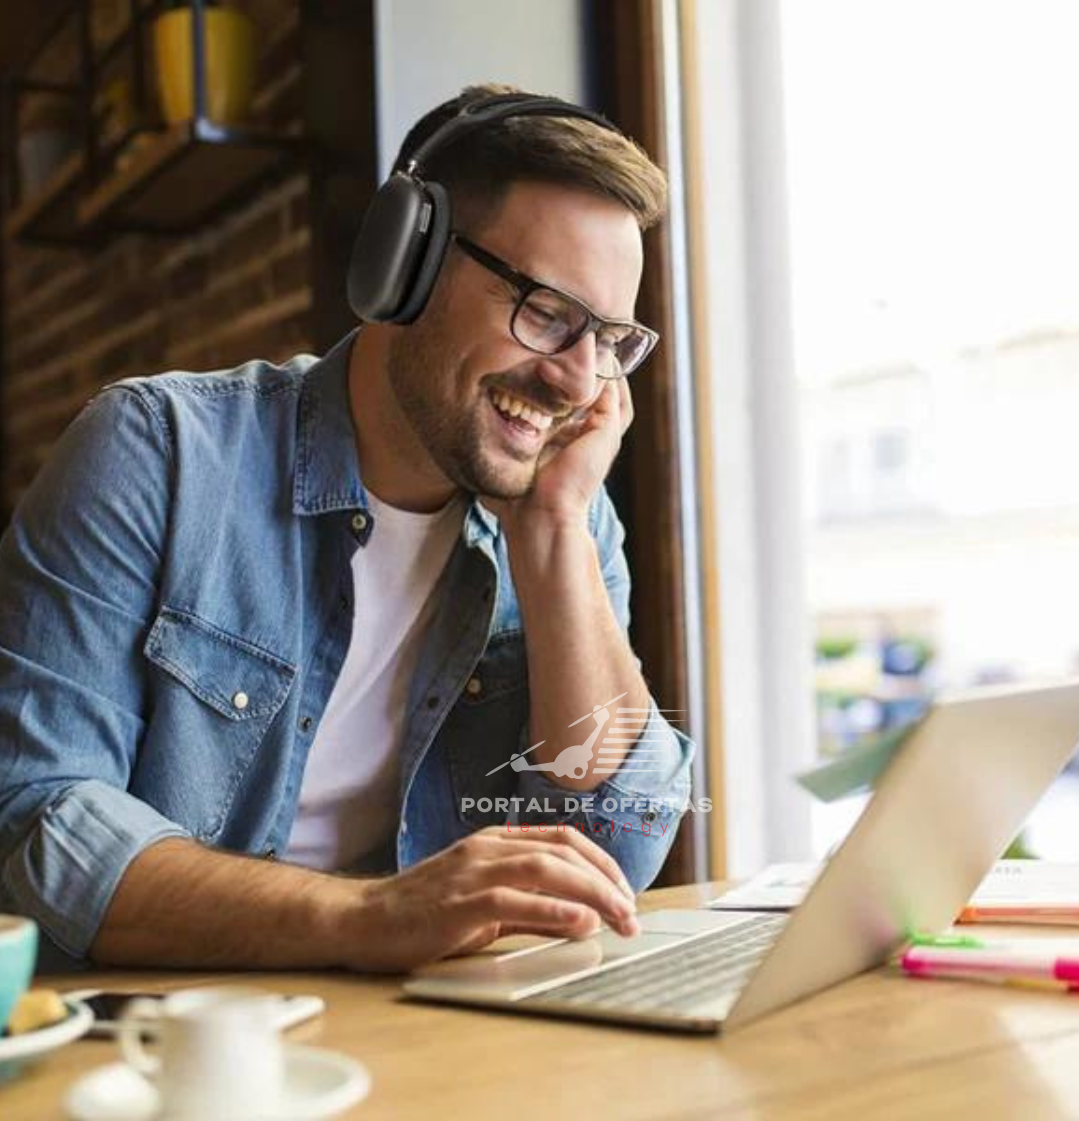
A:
x: 1043, y: 963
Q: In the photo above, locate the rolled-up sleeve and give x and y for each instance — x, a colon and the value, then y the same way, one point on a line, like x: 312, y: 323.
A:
x: 79, y: 569
x: 635, y: 813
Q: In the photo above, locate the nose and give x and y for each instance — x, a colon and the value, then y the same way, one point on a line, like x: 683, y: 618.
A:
x: 573, y: 373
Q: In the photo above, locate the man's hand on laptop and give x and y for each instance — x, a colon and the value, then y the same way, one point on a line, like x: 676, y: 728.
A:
x: 484, y: 887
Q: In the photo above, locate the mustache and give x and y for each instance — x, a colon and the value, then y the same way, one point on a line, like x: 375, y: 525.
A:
x: 536, y: 393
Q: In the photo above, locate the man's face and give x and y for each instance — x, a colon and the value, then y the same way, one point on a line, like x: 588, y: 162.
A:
x: 458, y: 374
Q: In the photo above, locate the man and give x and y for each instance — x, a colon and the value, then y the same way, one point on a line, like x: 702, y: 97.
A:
x: 351, y: 612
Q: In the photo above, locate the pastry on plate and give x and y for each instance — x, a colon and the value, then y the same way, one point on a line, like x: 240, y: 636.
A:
x: 37, y: 1008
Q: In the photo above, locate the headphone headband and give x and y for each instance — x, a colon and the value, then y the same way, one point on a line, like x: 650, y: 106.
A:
x: 400, y: 247
x: 498, y: 107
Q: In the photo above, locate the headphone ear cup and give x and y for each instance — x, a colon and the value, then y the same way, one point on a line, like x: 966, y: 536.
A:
x: 391, y: 244
x: 434, y: 252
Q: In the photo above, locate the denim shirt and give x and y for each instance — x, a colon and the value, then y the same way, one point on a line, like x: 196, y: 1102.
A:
x: 175, y: 606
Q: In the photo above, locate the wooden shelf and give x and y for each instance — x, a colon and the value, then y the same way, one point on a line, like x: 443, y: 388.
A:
x: 176, y: 180
x: 51, y: 213
x: 22, y: 26
x: 156, y: 179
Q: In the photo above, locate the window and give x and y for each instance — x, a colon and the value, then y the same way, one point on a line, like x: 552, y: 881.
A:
x: 934, y: 256
x: 889, y: 258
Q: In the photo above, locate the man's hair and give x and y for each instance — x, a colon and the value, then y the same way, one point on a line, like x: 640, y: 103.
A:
x: 478, y: 168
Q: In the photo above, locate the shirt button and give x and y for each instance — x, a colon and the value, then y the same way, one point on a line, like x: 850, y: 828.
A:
x: 240, y: 701
x: 432, y: 701
x: 404, y: 828
x: 474, y: 687
x: 305, y: 724
x: 359, y: 522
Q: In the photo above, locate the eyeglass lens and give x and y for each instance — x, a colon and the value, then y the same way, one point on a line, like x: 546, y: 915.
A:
x: 548, y: 322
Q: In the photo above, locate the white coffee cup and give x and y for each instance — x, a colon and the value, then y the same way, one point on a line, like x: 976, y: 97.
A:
x: 221, y: 1058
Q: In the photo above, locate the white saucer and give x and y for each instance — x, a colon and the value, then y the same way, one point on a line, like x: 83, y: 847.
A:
x: 318, y: 1084
x: 34, y: 1043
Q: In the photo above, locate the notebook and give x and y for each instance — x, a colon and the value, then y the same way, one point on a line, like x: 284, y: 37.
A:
x: 1015, y: 891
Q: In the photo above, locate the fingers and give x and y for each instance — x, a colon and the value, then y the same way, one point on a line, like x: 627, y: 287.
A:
x: 625, y: 402
x: 567, y: 864
x: 604, y: 408
x: 516, y: 911
x: 567, y: 432
x: 547, y: 872
x: 483, y: 887
x: 537, y: 844
x: 583, y: 847
x: 614, y: 406
x: 589, y: 925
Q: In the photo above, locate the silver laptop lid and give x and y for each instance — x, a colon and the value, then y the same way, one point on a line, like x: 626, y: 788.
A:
x: 945, y: 809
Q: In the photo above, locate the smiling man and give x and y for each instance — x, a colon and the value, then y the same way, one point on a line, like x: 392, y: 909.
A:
x: 271, y: 637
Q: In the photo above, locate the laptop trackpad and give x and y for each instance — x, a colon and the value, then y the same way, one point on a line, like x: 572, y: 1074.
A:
x: 693, y: 922
x: 521, y: 973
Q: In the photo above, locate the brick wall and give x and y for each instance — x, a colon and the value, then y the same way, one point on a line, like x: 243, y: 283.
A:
x: 78, y: 319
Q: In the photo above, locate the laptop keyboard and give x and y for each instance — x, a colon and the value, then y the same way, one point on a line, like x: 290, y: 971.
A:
x: 675, y: 979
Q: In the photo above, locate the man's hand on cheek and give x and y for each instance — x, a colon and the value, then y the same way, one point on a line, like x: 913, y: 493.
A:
x: 575, y: 462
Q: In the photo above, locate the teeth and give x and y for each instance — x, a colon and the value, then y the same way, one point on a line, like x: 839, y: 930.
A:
x: 515, y: 407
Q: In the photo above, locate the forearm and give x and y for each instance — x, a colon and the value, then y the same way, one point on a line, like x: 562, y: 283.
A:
x: 182, y: 905
x: 179, y: 904
x: 578, y: 656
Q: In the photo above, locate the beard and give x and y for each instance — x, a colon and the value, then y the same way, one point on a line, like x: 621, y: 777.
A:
x: 453, y: 432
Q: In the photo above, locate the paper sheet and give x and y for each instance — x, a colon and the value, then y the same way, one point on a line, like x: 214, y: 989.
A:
x: 1015, y: 890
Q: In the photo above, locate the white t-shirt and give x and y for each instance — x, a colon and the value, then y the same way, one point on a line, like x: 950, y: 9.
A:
x: 348, y: 802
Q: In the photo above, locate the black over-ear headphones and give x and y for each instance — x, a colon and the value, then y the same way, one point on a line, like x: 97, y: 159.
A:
x: 406, y: 229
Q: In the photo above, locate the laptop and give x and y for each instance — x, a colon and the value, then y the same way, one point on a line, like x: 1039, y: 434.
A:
x: 946, y: 807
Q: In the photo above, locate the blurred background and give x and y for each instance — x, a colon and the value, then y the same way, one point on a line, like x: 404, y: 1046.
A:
x: 935, y: 267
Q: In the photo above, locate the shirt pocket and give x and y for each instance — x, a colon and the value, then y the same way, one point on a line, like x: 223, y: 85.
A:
x: 484, y: 729
x: 211, y: 708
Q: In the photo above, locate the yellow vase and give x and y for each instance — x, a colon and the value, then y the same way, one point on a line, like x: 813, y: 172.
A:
x: 230, y: 64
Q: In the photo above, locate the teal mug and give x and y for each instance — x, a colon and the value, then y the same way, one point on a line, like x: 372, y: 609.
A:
x: 18, y: 952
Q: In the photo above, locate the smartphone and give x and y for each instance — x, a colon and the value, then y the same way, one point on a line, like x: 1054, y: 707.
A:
x: 107, y: 1007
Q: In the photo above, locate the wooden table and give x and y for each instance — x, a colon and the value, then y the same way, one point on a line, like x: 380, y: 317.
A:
x: 879, y: 1046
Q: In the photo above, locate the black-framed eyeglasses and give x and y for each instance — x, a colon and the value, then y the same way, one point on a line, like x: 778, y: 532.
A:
x: 549, y: 321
